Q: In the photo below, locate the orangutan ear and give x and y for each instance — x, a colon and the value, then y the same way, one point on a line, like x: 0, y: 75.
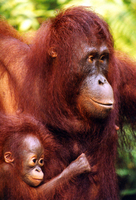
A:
x: 52, y: 52
x: 8, y: 157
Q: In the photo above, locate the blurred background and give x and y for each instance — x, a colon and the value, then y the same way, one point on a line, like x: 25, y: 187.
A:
x: 27, y: 15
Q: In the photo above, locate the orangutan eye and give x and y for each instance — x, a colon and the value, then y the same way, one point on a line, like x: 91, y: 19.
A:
x: 34, y: 160
x: 91, y: 58
x: 104, y: 57
x: 41, y: 162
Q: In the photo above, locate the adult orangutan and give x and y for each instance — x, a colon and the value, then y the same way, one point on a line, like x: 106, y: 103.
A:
x: 71, y: 79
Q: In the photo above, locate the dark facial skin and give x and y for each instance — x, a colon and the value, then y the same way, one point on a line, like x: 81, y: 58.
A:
x: 32, y: 161
x: 96, y: 95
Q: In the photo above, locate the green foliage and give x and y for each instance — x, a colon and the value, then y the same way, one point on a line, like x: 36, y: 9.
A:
x: 27, y: 15
x: 123, y: 25
x: 126, y: 163
x: 19, y: 13
x: 121, y: 16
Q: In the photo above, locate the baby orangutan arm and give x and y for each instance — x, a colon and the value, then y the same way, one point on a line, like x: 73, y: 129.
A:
x: 77, y: 167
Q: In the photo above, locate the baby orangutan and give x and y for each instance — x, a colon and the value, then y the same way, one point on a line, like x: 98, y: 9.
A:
x: 22, y: 169
x: 31, y: 156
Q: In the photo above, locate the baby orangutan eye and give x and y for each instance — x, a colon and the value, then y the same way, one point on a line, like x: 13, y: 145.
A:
x: 41, y: 162
x: 34, y: 160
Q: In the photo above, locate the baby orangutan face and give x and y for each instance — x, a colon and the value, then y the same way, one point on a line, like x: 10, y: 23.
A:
x: 32, y: 160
